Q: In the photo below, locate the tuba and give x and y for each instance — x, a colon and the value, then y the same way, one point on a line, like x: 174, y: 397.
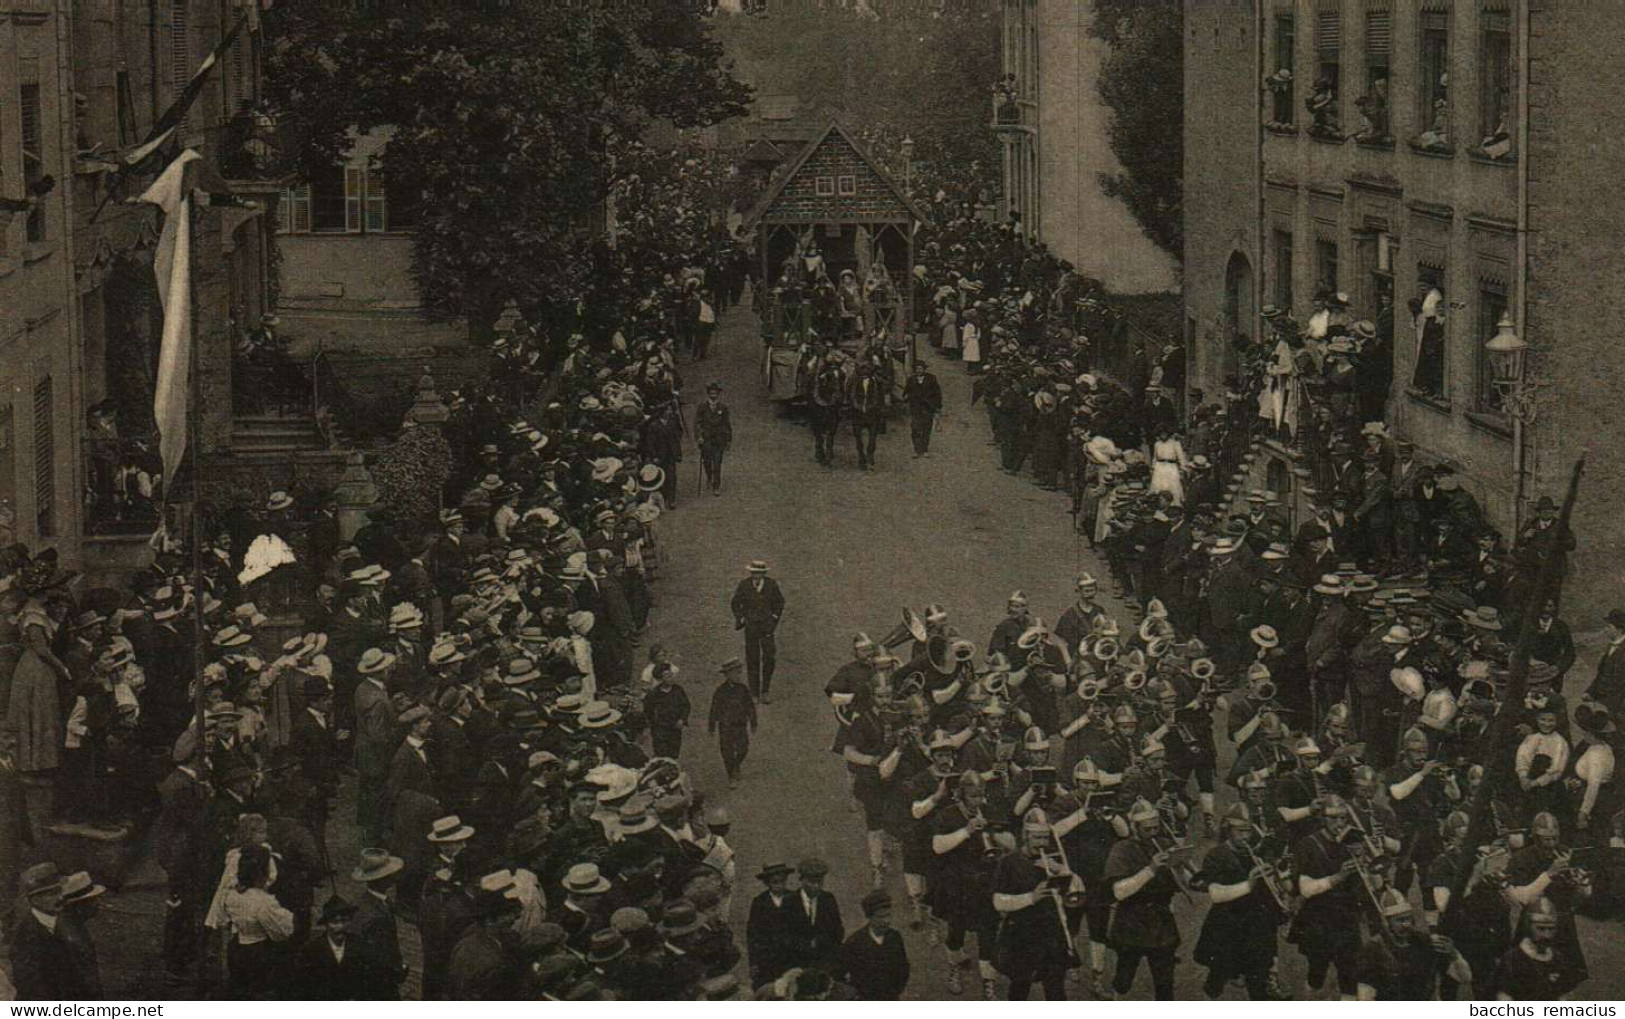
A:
x: 1134, y: 682
x: 1106, y: 649
x: 939, y: 651
x: 1090, y: 690
x: 911, y: 628
x: 1203, y: 669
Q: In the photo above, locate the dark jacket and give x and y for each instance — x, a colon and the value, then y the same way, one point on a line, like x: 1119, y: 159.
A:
x: 46, y: 965
x: 758, y: 610
x: 878, y: 972
x: 772, y: 936
x: 322, y: 977
x: 923, y: 395
x: 819, y: 939
x: 713, y: 427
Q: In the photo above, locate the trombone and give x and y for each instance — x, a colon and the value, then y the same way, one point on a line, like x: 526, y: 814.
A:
x: 1270, y: 874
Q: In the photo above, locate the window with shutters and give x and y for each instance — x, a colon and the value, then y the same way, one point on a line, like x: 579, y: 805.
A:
x: 242, y: 72
x: 1284, y: 91
x: 355, y: 190
x: 1325, y: 102
x: 1375, y: 115
x: 180, y: 50
x: 1379, y: 49
x: 33, y: 156
x: 44, y: 459
x: 1433, y: 90
x: 329, y: 208
x: 1495, y: 84
x: 1283, y: 268
x: 294, y: 210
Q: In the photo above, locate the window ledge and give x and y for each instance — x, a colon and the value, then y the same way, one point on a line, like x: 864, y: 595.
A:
x: 1376, y: 144
x: 1489, y: 421
x: 37, y: 252
x: 1438, y: 403
x: 1326, y: 137
x: 1274, y: 127
x: 1448, y: 152
x: 1479, y: 156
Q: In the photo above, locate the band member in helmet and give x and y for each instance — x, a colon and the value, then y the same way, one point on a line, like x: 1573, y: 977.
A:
x: 1401, y: 963
x: 1369, y: 814
x: 1240, y: 934
x: 1297, y: 791
x: 1120, y: 753
x: 1155, y: 783
x: 851, y: 681
x: 1087, y: 824
x: 1011, y: 627
x: 1186, y: 729
x: 1141, y: 874
x: 871, y: 760
x: 1327, y: 925
x: 1029, y: 889
x: 1078, y: 621
x: 967, y: 840
x: 1478, y: 924
x: 911, y: 736
x: 1422, y: 791
x: 924, y: 797
x: 1269, y: 752
x: 1545, y: 869
x: 1245, y: 711
x: 1534, y: 969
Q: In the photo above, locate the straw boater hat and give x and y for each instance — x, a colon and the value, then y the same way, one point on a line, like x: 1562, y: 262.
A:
x: 279, y: 501
x: 584, y: 879
x: 79, y: 887
x: 373, y: 660
x: 450, y: 829
x: 375, y: 865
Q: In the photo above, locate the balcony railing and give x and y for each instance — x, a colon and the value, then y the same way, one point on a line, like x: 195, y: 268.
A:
x: 123, y: 484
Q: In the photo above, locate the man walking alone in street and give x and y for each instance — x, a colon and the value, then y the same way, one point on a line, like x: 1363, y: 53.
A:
x: 732, y: 719
x: 714, y: 431
x: 868, y: 402
x: 924, y: 398
x: 757, y: 605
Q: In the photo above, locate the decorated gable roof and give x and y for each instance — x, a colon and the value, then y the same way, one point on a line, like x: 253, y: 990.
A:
x: 834, y: 180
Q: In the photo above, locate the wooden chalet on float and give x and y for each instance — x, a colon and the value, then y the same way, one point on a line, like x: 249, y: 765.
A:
x: 833, y: 198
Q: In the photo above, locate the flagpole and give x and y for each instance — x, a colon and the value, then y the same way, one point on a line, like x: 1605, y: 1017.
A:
x: 204, y: 771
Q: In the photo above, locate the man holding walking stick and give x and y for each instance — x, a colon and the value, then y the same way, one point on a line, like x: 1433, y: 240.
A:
x: 713, y: 430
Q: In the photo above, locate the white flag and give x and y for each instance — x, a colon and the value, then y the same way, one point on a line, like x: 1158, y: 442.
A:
x: 172, y: 265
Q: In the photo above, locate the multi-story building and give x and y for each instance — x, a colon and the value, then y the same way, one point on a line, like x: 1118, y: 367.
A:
x: 40, y: 378
x: 1395, y: 149
x: 1052, y: 126
x: 82, y: 82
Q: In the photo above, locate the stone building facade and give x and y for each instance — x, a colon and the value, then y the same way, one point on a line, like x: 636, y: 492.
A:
x: 1388, y: 148
x: 1052, y: 125
x: 40, y: 382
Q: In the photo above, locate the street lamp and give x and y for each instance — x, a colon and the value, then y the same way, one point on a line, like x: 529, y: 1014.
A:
x: 907, y: 147
x: 1507, y: 352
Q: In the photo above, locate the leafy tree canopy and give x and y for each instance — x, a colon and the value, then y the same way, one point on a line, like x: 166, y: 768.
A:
x: 1142, y: 84
x: 500, y: 113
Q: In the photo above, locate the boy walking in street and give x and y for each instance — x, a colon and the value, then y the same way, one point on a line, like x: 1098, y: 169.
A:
x: 732, y: 718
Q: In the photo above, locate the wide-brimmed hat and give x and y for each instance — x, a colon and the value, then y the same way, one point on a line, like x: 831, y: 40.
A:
x: 584, y: 879
x: 651, y: 478
x: 520, y: 671
x: 1265, y: 636
x: 279, y: 501
x: 374, y: 660
x: 756, y: 566
x: 231, y: 636
x: 450, y: 829
x: 599, y: 715
x: 607, y: 945
x: 1397, y: 635
x: 375, y: 865
x: 634, y: 818
x: 445, y: 653
x: 1484, y: 617
x: 1330, y: 583
x: 41, y: 877
x: 679, y: 918
x: 405, y: 616
x: 773, y: 870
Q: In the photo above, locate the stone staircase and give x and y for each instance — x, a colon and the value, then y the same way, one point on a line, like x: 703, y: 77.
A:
x: 275, y: 434
x: 1268, y: 466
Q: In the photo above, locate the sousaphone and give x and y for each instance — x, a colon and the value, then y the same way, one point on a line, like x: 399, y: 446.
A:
x: 911, y: 628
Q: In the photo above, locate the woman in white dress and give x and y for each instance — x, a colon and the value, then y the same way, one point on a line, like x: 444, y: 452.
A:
x: 970, y: 339
x: 1168, y: 462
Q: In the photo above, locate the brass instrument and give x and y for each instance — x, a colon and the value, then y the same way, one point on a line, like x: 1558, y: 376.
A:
x: 1358, y: 851
x: 1176, y: 868
x: 1371, y: 840
x: 911, y: 628
x: 1271, y: 876
x: 990, y: 848
x: 1106, y: 649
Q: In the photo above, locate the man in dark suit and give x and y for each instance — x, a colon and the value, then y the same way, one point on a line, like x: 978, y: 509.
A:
x: 1608, y: 689
x: 329, y: 969
x: 771, y: 928
x: 713, y: 429
x: 819, y: 931
x: 757, y: 605
x: 874, y: 959
x: 409, y: 768
x: 373, y: 936
x: 183, y: 796
x: 44, y: 963
x: 923, y: 394
x: 315, y: 745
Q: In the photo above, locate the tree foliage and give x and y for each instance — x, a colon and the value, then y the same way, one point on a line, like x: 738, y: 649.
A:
x: 500, y: 114
x: 924, y: 69
x: 1142, y: 85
